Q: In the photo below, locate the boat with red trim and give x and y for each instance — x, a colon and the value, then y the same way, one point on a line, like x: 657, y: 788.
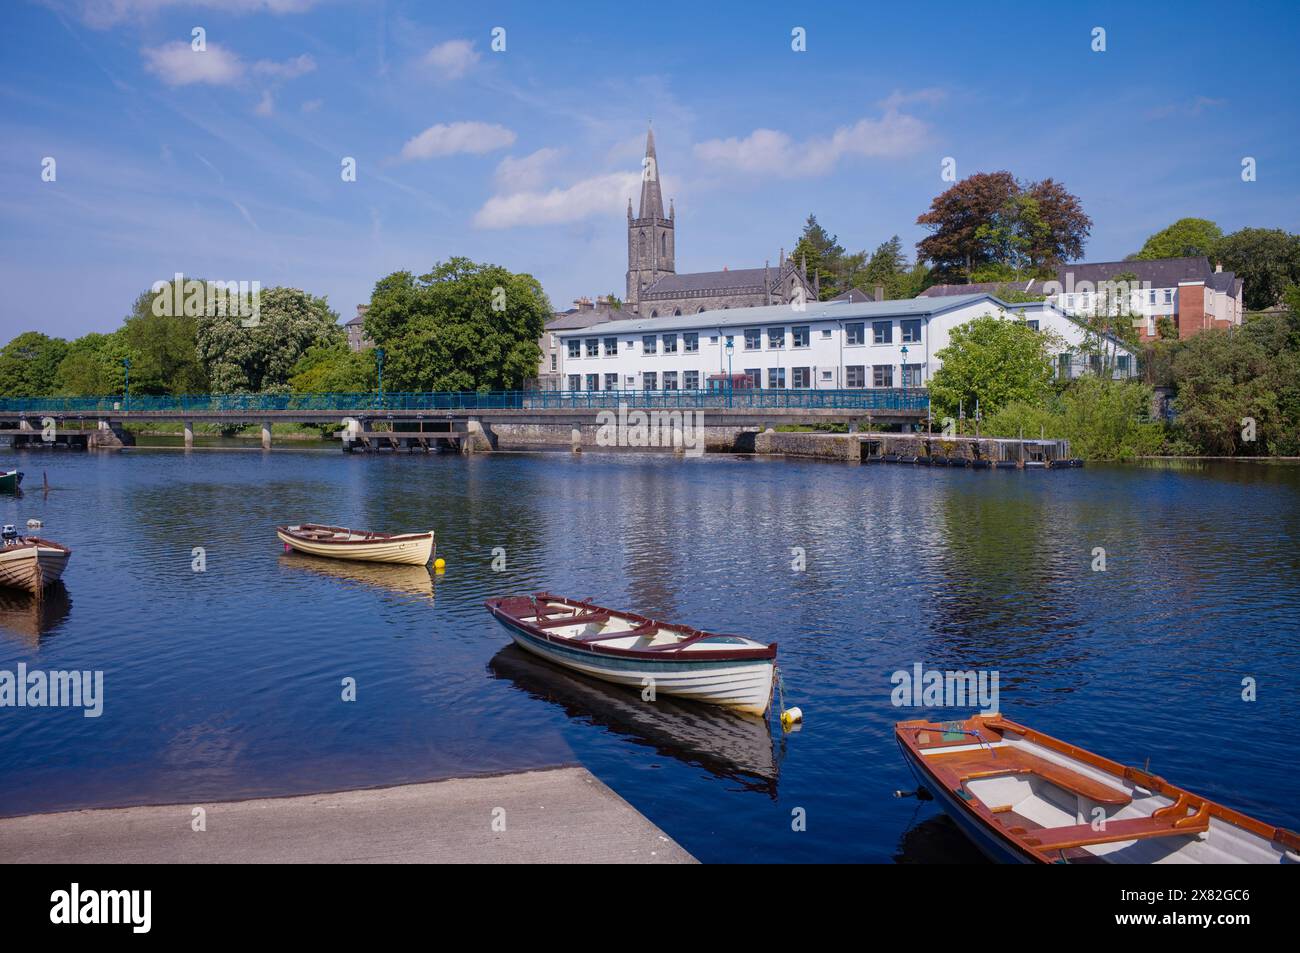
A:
x: 629, y: 649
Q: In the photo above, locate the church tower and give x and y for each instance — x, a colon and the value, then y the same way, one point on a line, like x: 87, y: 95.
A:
x: 650, y: 244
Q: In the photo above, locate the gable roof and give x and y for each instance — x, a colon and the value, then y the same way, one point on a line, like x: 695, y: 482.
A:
x: 1154, y: 272
x: 735, y: 280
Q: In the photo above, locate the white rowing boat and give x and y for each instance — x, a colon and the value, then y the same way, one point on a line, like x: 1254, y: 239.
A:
x: 29, y: 562
x: 336, y: 542
x: 629, y: 649
x: 1026, y: 797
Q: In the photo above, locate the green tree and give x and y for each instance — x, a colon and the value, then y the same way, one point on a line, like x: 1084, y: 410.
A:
x: 824, y: 256
x: 995, y: 361
x: 1222, y: 379
x: 1186, y: 238
x: 92, y: 366
x: 29, y: 365
x: 334, y: 368
x: 1102, y: 419
x: 1267, y: 260
x: 161, y: 344
x: 462, y: 326
x: 240, y: 358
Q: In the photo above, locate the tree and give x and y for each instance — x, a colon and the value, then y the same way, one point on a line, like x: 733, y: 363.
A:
x: 1267, y: 260
x: 887, y: 268
x: 92, y: 366
x: 824, y: 256
x: 1186, y: 238
x: 1102, y: 419
x: 990, y: 219
x: 1223, y: 379
x: 29, y: 365
x: 334, y: 368
x: 262, y: 357
x: 995, y: 361
x: 462, y: 326
x: 164, y: 359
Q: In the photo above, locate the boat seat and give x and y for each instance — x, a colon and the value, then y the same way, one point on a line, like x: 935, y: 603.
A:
x: 639, y: 631
x: 963, y: 766
x: 1136, y: 828
x: 581, y: 618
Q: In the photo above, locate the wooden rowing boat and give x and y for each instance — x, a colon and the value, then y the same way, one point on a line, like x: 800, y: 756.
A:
x: 336, y: 542
x: 10, y: 480
x: 1026, y: 797
x: 630, y: 649
x: 29, y: 562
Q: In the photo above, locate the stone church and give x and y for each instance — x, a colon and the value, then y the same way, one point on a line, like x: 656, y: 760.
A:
x: 654, y: 287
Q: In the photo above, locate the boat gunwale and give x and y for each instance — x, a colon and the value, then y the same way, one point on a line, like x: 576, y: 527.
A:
x: 35, y: 542
x: 986, y: 819
x: 763, y: 653
x: 370, y: 540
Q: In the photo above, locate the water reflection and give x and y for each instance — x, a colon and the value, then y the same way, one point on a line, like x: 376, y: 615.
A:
x: 936, y: 840
x: 32, y: 618
x: 726, y: 744
x: 402, y: 580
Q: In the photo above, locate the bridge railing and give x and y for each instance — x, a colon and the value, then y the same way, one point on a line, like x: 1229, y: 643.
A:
x: 865, y: 399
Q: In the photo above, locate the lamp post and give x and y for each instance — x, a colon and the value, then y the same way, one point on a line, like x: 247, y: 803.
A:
x: 904, y: 369
x: 126, y: 389
x: 731, y: 349
x: 379, y: 357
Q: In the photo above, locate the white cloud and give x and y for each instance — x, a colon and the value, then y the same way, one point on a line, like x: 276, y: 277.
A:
x: 600, y: 195
x: 452, y: 138
x: 452, y: 59
x: 176, y: 64
x: 526, y: 173
x: 101, y: 14
x: 266, y: 106
x: 770, y: 152
x: 899, y: 98
x: 289, y: 69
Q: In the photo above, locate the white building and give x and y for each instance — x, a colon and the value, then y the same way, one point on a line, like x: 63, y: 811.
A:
x: 826, y: 345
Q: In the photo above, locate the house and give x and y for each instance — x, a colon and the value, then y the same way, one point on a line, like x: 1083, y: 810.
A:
x: 1188, y: 291
x: 356, y: 329
x: 823, y: 345
x: 583, y: 314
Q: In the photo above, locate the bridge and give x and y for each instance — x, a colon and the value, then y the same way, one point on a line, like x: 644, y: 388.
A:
x: 466, y: 419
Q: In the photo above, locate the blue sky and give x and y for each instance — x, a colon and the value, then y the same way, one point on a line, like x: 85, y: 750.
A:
x: 226, y: 163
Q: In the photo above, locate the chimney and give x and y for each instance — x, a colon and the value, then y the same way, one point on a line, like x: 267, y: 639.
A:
x: 781, y: 262
x: 880, y: 292
x: 1218, y: 267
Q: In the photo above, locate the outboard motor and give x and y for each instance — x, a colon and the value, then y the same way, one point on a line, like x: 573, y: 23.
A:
x: 9, y: 534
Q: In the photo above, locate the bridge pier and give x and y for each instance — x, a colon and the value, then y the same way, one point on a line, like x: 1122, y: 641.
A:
x: 266, y: 435
x: 189, y: 434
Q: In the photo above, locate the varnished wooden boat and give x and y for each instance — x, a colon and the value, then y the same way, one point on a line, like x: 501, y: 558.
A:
x: 630, y: 649
x: 336, y: 542
x: 1026, y: 797
x: 29, y: 562
x: 10, y: 480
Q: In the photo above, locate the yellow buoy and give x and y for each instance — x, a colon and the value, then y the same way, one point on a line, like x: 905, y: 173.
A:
x: 791, y: 717
x: 440, y: 564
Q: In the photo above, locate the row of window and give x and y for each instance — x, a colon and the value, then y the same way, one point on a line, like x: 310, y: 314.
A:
x: 882, y: 332
x: 1084, y: 300
x: 855, y: 376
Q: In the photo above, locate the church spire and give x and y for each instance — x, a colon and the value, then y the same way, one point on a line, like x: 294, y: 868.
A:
x: 652, y: 200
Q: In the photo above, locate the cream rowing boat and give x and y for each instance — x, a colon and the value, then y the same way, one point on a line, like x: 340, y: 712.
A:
x: 336, y: 542
x: 29, y: 562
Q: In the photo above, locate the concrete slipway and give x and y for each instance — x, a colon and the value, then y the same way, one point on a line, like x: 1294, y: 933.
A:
x: 558, y: 815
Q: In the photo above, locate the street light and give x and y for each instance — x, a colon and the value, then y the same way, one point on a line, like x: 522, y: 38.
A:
x: 126, y: 392
x: 379, y: 355
x: 904, y: 377
x: 731, y: 349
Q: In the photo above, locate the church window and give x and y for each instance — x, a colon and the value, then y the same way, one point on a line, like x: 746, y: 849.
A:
x: 800, y: 336
x: 654, y: 313
x: 690, y: 342
x: 663, y: 244
x: 699, y: 310
x: 753, y: 339
x: 575, y: 348
x: 677, y: 312
x: 648, y: 343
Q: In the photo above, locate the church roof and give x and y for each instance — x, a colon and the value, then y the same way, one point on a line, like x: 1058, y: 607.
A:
x: 735, y: 280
